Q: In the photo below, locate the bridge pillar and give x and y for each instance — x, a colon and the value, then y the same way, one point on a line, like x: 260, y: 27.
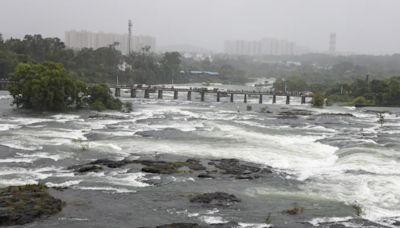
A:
x: 189, y: 95
x: 245, y: 98
x: 287, y: 99
x: 303, y: 99
x: 218, y: 96
x: 261, y: 99
x: 232, y: 97
x: 146, y: 93
x: 117, y: 92
x: 202, y: 93
x: 175, y: 94
x: 274, y: 99
x: 133, y: 93
x: 3, y: 85
x: 160, y: 94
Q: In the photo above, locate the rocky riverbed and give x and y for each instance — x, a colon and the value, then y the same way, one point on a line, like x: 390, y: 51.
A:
x: 182, y: 192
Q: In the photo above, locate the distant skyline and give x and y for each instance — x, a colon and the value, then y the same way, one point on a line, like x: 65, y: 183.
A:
x: 361, y: 26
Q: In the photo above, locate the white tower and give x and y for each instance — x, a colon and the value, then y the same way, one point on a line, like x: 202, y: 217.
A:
x: 129, y: 36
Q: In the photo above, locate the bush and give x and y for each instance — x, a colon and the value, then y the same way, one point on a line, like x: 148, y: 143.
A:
x: 101, y: 95
x: 338, y: 99
x: 318, y: 100
x: 127, y: 107
x: 360, y: 101
x: 264, y: 110
x: 98, y: 106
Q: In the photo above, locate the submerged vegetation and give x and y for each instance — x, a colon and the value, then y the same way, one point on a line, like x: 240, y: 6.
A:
x: 268, y: 219
x: 294, y: 210
x: 357, y: 208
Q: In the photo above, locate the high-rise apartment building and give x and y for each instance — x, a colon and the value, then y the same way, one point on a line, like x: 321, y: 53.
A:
x: 266, y: 46
x: 86, y: 39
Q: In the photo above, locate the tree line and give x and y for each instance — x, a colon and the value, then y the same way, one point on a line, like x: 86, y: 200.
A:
x: 384, y: 92
x: 106, y: 64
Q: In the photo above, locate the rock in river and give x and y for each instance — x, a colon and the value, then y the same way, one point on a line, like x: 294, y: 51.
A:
x: 24, y: 204
x: 215, y: 198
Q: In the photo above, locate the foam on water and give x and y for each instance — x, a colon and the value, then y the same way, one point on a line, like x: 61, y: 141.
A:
x: 42, y: 155
x: 280, y: 151
x: 254, y: 225
x: 213, y: 219
x: 327, y: 174
x: 318, y: 221
x: 55, y: 133
x: 63, y: 184
x: 21, y: 176
x: 377, y: 194
x: 17, y: 160
x: 24, y: 121
x: 21, y: 146
x: 105, y: 189
x: 7, y: 126
x: 107, y: 147
x: 127, y: 179
x: 63, y: 118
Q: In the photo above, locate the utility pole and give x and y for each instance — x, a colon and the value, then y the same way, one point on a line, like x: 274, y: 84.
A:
x: 129, y: 36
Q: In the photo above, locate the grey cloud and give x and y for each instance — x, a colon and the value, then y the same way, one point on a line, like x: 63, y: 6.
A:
x: 363, y: 26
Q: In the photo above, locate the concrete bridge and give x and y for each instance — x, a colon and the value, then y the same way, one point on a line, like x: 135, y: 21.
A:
x: 245, y: 94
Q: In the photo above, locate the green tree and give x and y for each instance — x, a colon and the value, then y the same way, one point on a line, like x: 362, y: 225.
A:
x: 392, y: 94
x: 296, y: 84
x: 40, y: 49
x: 279, y: 85
x: 170, y: 66
x: 44, y: 87
x: 8, y: 62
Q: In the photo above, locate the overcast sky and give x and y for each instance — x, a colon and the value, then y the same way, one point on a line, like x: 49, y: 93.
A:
x: 362, y: 26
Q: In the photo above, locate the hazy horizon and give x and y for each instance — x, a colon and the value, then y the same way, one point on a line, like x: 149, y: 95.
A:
x: 362, y: 26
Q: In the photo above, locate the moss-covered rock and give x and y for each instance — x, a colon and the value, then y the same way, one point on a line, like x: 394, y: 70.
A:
x: 24, y: 204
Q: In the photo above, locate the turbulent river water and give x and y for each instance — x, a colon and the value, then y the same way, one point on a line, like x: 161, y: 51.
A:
x: 340, y: 155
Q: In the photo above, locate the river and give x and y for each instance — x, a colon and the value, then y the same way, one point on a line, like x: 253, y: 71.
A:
x: 325, y: 160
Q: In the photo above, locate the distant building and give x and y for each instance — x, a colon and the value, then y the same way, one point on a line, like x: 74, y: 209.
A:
x: 266, y: 46
x: 86, y: 39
